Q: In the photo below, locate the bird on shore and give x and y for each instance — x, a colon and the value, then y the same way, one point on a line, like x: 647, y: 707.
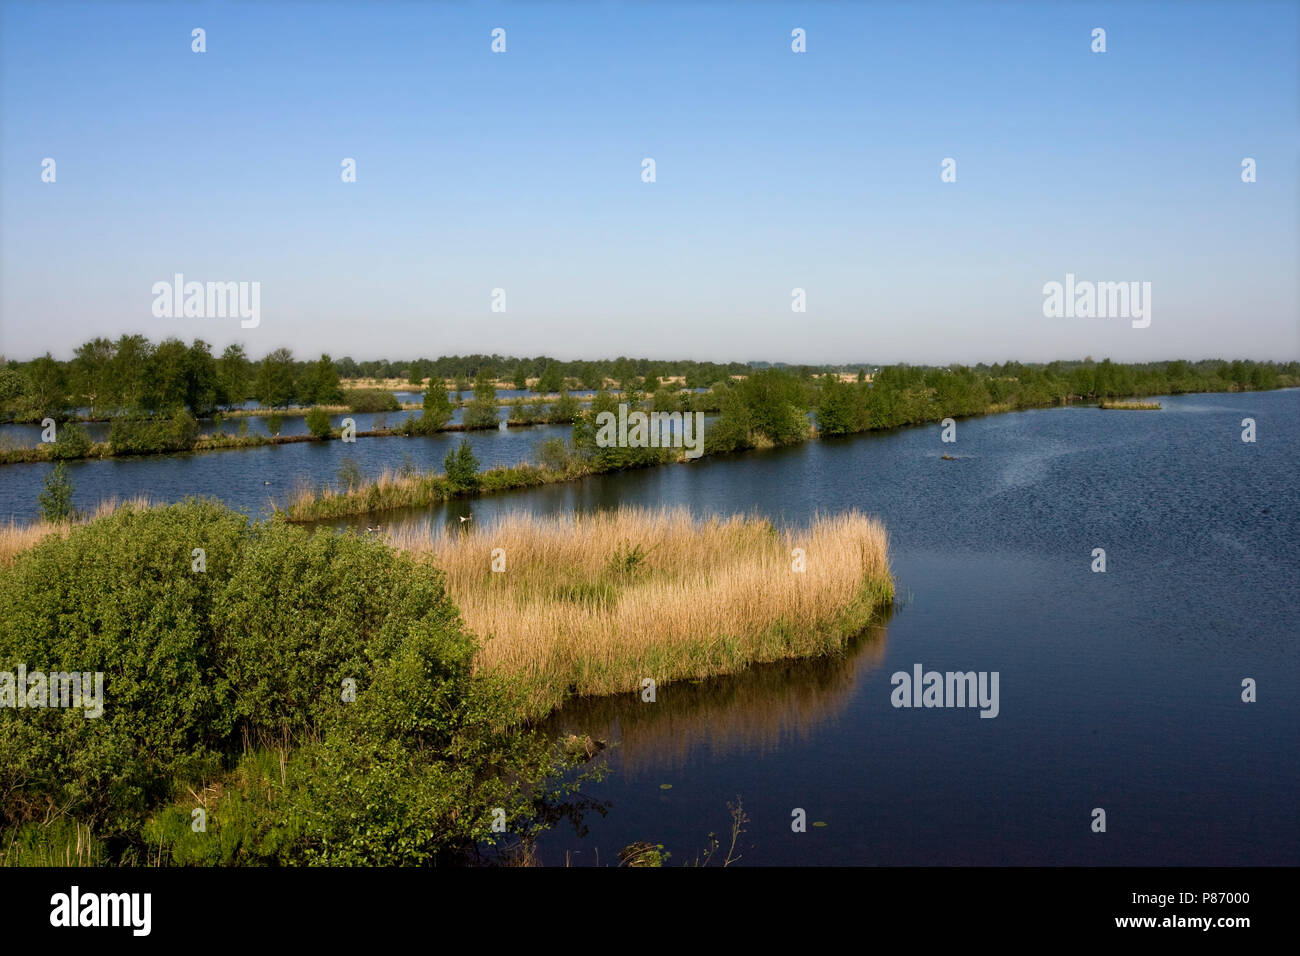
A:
x: 464, y: 518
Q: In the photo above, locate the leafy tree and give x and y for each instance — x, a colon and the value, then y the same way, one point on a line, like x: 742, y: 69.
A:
x: 462, y: 467
x: 48, y: 387
x: 233, y: 373
x: 320, y: 383
x: 126, y: 387
x: 437, y: 407
x: 90, y: 373
x: 72, y: 441
x: 835, y: 411
x: 165, y: 386
x: 202, y: 383
x: 318, y: 423
x: 15, y: 390
x: 56, y: 498
x: 275, y: 383
x: 482, y: 411
x: 550, y: 380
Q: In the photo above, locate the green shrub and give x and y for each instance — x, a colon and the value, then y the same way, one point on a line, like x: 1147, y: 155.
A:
x: 481, y: 414
x: 253, y: 652
x: 462, y: 467
x: 146, y: 435
x: 56, y: 497
x: 72, y: 441
x: 437, y: 407
x: 274, y: 423
x: 371, y: 400
x: 117, y: 596
x: 564, y: 410
x: 554, y: 454
x: 318, y: 423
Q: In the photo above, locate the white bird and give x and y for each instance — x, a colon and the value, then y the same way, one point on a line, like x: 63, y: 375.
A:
x: 464, y: 518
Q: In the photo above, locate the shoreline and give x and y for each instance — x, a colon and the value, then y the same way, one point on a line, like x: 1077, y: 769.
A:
x: 391, y: 492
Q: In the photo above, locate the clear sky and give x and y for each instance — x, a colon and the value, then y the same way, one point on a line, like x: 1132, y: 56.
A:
x: 775, y: 170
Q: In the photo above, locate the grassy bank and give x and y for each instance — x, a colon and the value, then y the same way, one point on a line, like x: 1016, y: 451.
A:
x: 1132, y: 406
x: 217, y: 441
x: 393, y: 490
x: 591, y: 605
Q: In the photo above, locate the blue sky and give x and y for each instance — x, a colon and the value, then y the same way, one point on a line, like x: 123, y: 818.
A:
x: 775, y: 170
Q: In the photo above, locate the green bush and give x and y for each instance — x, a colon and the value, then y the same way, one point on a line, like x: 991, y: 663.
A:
x: 56, y: 497
x: 554, y: 454
x: 71, y: 442
x: 318, y: 423
x: 274, y: 423
x: 146, y: 435
x: 481, y: 414
x: 437, y: 407
x: 371, y: 400
x: 117, y: 596
x: 235, y: 675
x: 462, y: 467
x: 564, y: 409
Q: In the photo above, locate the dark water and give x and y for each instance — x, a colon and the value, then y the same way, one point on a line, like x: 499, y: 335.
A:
x: 1119, y: 690
x: 294, y: 422
x: 250, y: 478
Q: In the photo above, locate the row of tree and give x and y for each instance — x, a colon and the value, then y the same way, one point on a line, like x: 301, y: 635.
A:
x: 772, y: 406
x: 135, y: 376
x: 544, y: 373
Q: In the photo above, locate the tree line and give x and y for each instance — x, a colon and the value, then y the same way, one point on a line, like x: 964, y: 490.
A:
x: 132, y: 376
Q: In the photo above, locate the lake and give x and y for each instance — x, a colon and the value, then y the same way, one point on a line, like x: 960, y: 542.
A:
x: 1118, y: 690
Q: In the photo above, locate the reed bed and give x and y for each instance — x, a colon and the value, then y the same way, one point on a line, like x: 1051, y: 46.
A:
x: 1133, y: 406
x: 591, y: 605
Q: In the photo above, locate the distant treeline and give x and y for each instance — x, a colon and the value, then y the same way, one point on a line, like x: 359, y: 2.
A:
x: 772, y: 406
x: 133, y: 376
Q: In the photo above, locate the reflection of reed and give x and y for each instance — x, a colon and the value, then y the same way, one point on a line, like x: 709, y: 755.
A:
x: 756, y: 710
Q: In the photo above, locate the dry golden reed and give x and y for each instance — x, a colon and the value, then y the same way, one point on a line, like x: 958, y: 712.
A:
x: 593, y: 604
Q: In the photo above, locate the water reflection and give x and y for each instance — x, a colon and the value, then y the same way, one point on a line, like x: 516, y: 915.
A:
x: 757, y: 711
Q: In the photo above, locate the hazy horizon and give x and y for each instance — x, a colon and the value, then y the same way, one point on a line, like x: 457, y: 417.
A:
x: 774, y: 171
